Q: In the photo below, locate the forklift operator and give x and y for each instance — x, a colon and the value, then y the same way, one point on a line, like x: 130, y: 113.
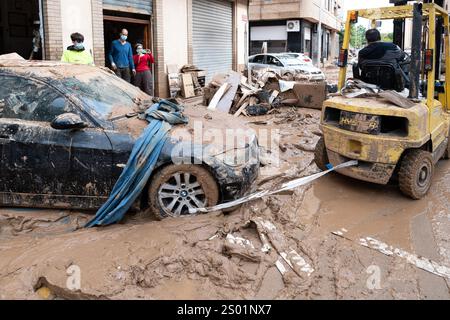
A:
x: 378, y: 50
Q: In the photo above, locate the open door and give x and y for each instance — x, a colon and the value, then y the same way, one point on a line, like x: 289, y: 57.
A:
x: 21, y: 28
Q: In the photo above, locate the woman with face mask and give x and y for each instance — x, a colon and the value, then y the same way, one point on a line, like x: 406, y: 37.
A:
x: 77, y: 53
x: 143, y: 61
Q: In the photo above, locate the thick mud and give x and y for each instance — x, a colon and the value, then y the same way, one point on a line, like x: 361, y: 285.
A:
x: 280, y: 247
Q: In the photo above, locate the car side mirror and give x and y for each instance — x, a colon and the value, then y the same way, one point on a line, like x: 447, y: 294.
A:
x: 68, y: 121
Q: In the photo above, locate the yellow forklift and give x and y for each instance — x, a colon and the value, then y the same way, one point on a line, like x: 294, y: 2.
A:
x: 393, y: 143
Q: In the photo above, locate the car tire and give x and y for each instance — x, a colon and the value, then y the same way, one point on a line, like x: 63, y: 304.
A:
x: 185, y: 186
x: 416, y: 173
x: 320, y: 155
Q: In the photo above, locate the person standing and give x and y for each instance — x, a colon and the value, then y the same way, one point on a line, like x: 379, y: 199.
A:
x: 143, y: 61
x: 121, y: 57
x: 77, y: 53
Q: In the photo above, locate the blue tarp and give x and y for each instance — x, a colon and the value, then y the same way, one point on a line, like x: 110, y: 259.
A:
x: 141, y: 163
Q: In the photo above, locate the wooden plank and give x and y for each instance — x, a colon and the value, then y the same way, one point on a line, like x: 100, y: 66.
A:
x: 226, y: 102
x: 187, y: 89
x: 125, y: 19
x: 219, y: 94
x: 274, y: 95
x: 241, y: 109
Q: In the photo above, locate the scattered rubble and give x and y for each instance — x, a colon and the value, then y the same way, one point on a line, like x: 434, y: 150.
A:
x: 262, y: 93
x: 187, y: 81
x: 280, y: 247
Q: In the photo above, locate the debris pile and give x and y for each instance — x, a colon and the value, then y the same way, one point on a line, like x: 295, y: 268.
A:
x: 355, y: 88
x: 186, y: 82
x: 262, y: 93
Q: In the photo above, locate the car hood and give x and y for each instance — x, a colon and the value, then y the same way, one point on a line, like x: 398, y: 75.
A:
x: 204, y: 128
x: 307, y: 68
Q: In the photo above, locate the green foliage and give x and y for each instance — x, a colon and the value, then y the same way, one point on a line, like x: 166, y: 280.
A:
x: 358, y: 36
x: 387, y: 37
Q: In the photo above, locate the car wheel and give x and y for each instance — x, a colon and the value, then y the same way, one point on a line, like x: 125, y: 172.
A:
x: 320, y: 155
x: 416, y: 173
x: 177, y: 188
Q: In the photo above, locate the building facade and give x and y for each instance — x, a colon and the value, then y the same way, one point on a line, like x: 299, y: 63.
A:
x: 306, y: 26
x: 212, y: 34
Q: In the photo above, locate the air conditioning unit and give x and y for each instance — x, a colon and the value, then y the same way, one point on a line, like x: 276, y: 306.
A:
x: 293, y: 26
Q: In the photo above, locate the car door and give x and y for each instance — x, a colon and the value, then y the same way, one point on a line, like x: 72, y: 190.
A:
x: 258, y: 62
x: 58, y: 165
x: 275, y: 64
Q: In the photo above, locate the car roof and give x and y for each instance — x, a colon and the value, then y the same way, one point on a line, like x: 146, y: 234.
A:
x: 54, y: 69
x: 278, y: 55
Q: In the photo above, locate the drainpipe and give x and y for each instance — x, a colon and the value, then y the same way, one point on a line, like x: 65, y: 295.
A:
x: 41, y: 28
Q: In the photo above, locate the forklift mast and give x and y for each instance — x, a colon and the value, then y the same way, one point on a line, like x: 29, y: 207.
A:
x: 416, y: 52
x: 399, y: 28
x: 399, y: 32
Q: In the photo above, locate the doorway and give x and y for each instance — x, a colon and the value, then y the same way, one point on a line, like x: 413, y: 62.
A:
x: 21, y: 28
x: 138, y: 26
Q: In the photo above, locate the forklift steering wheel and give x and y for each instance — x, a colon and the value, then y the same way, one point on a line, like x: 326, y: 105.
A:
x: 406, y: 61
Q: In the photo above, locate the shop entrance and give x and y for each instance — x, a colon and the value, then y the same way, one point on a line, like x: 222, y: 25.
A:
x: 20, y: 28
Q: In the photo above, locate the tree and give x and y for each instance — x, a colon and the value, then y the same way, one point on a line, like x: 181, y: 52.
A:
x: 358, y: 36
x: 387, y: 37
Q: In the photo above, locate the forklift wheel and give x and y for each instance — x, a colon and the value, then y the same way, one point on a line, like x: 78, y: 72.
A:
x: 320, y: 155
x: 416, y: 173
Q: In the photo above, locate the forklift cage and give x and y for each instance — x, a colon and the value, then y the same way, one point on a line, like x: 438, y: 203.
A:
x: 429, y: 10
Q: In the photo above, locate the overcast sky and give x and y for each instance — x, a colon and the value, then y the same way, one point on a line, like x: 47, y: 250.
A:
x: 363, y: 4
x: 387, y: 25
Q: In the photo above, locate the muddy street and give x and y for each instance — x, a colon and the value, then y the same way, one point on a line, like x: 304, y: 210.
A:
x: 227, y: 256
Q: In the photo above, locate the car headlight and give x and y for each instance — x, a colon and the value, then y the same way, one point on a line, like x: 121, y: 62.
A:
x: 235, y: 157
x: 303, y: 72
x: 238, y: 157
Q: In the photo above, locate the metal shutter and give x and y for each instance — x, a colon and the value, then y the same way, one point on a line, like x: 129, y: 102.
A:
x: 212, y: 36
x: 132, y: 6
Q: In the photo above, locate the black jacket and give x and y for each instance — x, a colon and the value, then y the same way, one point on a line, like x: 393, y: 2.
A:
x: 383, y: 51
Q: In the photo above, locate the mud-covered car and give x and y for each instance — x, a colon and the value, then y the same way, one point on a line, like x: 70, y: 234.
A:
x: 67, y: 131
x: 285, y: 64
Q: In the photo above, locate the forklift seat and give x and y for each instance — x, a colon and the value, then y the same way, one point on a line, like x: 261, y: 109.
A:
x: 386, y: 75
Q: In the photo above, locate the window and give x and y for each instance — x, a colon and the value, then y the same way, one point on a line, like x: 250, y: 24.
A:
x: 258, y: 59
x: 274, y: 61
x: 29, y: 100
x: 103, y: 92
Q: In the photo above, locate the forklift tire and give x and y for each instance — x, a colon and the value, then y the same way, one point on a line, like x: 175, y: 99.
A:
x: 320, y: 155
x: 416, y: 173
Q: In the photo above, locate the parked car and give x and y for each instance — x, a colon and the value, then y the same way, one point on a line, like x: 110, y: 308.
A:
x: 284, y: 64
x: 300, y: 56
x: 51, y: 163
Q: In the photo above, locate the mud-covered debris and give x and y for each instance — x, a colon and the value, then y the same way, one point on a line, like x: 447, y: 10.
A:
x: 243, y: 248
x: 261, y: 93
x: 267, y: 230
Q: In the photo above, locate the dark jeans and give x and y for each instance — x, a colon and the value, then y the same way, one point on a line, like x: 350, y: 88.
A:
x: 143, y: 80
x: 124, y: 73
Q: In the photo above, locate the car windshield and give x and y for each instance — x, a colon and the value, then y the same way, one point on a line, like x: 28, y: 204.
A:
x: 103, y: 92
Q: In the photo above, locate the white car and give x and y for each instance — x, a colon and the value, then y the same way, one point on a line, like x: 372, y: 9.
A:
x: 300, y: 56
x: 284, y: 64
